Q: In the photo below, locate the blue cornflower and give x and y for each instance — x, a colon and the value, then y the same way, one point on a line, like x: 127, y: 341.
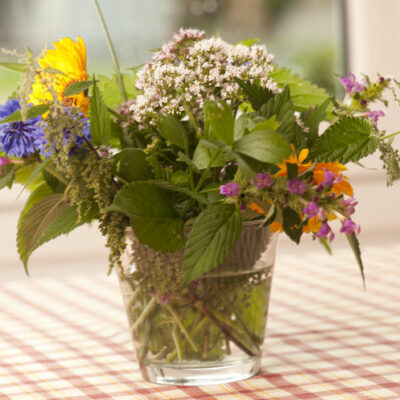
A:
x: 17, y: 138
x: 41, y: 142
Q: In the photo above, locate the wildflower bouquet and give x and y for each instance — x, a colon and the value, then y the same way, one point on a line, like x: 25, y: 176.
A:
x: 182, y: 154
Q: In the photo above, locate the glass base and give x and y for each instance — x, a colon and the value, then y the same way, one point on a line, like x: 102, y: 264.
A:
x: 204, y: 373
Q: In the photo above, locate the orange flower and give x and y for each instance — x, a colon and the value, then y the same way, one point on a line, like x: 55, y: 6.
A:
x: 314, y: 223
x: 255, y: 207
x: 293, y: 159
x: 275, y: 227
x: 338, y: 188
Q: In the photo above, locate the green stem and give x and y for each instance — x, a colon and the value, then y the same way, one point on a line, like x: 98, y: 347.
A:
x: 177, y: 344
x: 112, y: 51
x: 182, y: 327
x: 145, y: 313
x: 57, y: 175
x: 390, y: 135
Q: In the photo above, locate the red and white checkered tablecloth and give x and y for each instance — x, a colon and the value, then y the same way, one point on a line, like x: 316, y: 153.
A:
x: 326, y: 337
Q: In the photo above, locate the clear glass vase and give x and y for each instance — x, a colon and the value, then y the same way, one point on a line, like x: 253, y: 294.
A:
x: 211, y: 332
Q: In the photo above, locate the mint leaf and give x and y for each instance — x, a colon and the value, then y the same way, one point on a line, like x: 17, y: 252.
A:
x: 153, y: 218
x: 348, y: 140
x: 173, y: 130
x: 99, y: 119
x: 218, y: 121
x: 133, y: 165
x: 203, y: 154
x: 77, y: 87
x: 263, y: 145
x: 213, y: 236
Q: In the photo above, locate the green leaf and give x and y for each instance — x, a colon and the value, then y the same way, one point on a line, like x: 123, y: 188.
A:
x: 248, y: 42
x: 99, y: 119
x: 219, y: 120
x: 213, y: 236
x: 133, y: 165
x: 31, y: 112
x: 267, y: 124
x: 7, y: 175
x: 77, y: 87
x: 203, y: 154
x: 311, y: 119
x: 255, y: 93
x: 15, y: 66
x: 304, y: 94
x: 54, y: 183
x: 173, y: 131
x: 355, y: 246
x: 39, y: 193
x: 35, y: 174
x: 281, y: 107
x: 264, y: 145
x: 194, y: 195
x: 55, y: 71
x: 292, y: 224
x: 270, y: 217
x: 154, y: 220
x: 34, y: 223
x: 348, y: 140
x: 292, y: 170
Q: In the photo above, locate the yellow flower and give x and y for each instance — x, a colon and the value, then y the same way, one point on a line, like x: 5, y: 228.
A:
x: 343, y: 186
x: 69, y: 58
x: 293, y: 159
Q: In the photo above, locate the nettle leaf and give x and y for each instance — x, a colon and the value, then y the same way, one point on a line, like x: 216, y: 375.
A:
x: 281, y: 107
x: 77, y: 87
x: 311, y: 119
x: 31, y: 112
x: 203, y: 154
x: 173, y: 130
x: 33, y: 224
x: 304, y: 94
x: 153, y: 218
x: 7, y: 175
x: 99, y: 119
x: 348, y: 140
x: 219, y: 121
x: 14, y: 66
x: 255, y: 94
x: 264, y: 145
x: 133, y: 165
x: 355, y: 246
x: 292, y: 224
x: 213, y: 236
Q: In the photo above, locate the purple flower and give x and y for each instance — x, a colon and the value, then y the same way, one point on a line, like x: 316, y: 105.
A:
x: 263, y: 180
x: 375, y: 115
x: 349, y: 204
x: 350, y: 227
x: 230, y: 189
x: 164, y: 298
x: 329, y: 178
x: 3, y: 161
x: 325, y: 231
x: 296, y: 186
x: 17, y: 138
x: 350, y: 84
x: 311, y: 209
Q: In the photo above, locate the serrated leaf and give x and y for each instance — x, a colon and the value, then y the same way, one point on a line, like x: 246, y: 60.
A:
x: 281, y: 107
x: 219, y: 121
x: 15, y: 66
x: 153, y: 218
x: 213, y: 236
x: 31, y: 112
x: 304, y: 94
x: 54, y: 183
x: 255, y: 93
x: 194, y: 195
x: 348, y: 140
x: 133, y: 165
x: 203, y: 154
x: 355, y: 246
x: 173, y: 130
x: 34, y: 223
x: 99, y: 119
x: 35, y: 174
x: 311, y: 119
x: 7, y: 175
x: 39, y: 193
x: 292, y: 224
x: 77, y: 87
x: 264, y: 145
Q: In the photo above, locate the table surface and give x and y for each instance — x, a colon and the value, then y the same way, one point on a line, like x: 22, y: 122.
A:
x: 327, y: 338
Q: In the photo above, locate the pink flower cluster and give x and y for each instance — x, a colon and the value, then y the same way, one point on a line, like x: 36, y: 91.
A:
x: 191, y: 68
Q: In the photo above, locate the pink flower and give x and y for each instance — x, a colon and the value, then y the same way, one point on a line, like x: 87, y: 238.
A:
x: 325, y: 231
x: 263, y: 180
x: 296, y: 186
x: 350, y: 227
x: 230, y: 189
x: 3, y: 161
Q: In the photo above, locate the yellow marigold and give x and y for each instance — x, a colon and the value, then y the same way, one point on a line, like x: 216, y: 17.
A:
x: 338, y: 188
x: 68, y: 57
x: 294, y: 159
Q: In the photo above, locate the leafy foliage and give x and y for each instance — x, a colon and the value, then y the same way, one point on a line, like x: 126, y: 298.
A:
x: 77, y: 87
x: 312, y: 118
x: 31, y: 112
x: 292, y: 224
x: 219, y: 119
x: 173, y: 130
x: 7, y: 175
x: 255, y: 93
x: 213, y: 236
x: 348, y: 140
x: 355, y: 246
x: 133, y: 165
x: 18, y: 67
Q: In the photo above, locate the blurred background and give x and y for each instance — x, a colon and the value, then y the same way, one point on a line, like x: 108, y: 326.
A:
x: 320, y: 39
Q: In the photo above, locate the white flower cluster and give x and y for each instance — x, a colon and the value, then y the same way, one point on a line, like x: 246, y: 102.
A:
x: 190, y: 69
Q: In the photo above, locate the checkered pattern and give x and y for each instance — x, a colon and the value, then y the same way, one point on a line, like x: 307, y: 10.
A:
x: 326, y: 339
